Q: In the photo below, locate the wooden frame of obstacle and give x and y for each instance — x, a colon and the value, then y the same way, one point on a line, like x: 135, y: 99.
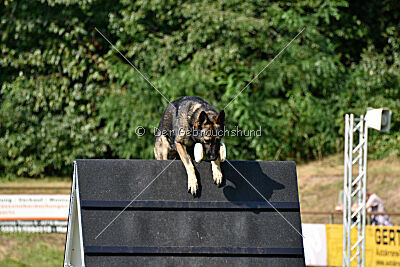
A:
x: 224, y: 226
x: 74, y: 252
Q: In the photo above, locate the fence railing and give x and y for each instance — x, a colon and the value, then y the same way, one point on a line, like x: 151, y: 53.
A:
x: 332, y: 214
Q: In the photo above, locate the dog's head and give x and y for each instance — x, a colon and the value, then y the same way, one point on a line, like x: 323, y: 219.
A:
x: 210, y: 130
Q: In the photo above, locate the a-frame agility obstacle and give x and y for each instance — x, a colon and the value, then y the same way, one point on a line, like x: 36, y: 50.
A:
x: 230, y: 225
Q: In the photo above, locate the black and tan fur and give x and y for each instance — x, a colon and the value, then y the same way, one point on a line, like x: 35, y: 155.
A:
x: 186, y: 121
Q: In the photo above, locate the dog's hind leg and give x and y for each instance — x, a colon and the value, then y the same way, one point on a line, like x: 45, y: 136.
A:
x: 192, y: 180
x: 216, y: 172
x: 161, y: 147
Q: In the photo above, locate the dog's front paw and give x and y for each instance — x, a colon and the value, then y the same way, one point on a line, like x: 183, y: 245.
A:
x: 217, y: 177
x: 217, y: 174
x: 192, y: 185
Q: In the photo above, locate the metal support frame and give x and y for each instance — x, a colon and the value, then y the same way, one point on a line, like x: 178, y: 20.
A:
x: 355, y: 190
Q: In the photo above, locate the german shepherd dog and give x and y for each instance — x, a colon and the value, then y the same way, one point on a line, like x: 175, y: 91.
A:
x: 186, y: 121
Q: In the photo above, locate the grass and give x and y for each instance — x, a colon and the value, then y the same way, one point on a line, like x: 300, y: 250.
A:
x: 47, y: 185
x: 31, y: 249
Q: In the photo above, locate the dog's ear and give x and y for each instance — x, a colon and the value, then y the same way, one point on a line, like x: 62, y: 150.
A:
x: 221, y: 117
x: 203, y: 118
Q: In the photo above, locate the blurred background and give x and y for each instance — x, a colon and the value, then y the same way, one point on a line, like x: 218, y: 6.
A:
x: 66, y: 94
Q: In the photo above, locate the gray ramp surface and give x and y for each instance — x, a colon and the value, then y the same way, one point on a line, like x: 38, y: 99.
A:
x: 230, y: 225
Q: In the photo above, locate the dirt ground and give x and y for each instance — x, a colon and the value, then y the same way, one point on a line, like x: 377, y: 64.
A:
x: 321, y: 181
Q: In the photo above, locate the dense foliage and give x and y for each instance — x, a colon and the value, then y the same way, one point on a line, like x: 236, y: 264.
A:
x: 66, y: 93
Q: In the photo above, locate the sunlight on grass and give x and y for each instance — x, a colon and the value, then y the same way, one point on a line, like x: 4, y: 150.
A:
x: 31, y: 249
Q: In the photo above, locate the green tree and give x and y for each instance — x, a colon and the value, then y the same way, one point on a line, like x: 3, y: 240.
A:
x: 66, y: 93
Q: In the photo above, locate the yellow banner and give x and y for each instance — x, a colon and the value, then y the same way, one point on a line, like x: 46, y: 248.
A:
x: 382, y: 245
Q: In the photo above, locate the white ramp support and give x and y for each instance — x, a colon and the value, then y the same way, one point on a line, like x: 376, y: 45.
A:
x: 74, y: 253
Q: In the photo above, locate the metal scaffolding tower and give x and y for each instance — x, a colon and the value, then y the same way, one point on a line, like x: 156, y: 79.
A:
x: 355, y: 191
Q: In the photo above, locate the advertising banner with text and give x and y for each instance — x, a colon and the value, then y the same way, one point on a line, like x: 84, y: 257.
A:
x: 33, y: 207
x: 382, y: 245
